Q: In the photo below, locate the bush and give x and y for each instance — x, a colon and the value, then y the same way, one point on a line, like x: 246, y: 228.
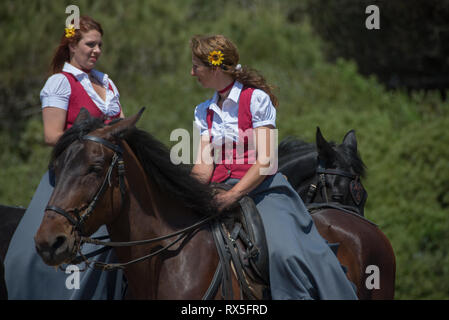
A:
x: 409, y: 50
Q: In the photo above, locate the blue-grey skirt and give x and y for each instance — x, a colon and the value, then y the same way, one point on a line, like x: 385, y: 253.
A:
x: 301, y: 263
x: 28, y: 277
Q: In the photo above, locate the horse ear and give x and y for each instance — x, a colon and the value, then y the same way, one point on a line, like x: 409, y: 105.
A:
x: 325, y: 150
x: 122, y: 127
x: 83, y: 115
x: 320, y: 141
x: 350, y: 140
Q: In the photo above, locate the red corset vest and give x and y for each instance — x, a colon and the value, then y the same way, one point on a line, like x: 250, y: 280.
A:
x: 236, y: 162
x: 80, y: 99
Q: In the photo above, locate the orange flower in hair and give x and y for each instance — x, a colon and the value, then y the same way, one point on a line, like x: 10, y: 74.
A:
x: 70, y: 31
x: 216, y: 58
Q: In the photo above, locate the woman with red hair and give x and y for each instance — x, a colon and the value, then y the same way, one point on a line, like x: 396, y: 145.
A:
x: 74, y: 84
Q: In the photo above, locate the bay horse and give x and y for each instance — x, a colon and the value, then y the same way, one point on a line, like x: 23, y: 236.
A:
x: 146, y: 197
x: 327, y: 177
x: 154, y: 198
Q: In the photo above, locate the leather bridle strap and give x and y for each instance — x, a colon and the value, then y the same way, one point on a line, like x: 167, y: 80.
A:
x: 336, y: 172
x: 104, y: 142
x: 322, y: 171
x: 120, y: 163
x: 66, y: 214
x: 78, y: 223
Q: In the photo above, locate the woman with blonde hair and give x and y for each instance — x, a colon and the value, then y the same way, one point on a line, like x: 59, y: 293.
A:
x: 301, y: 264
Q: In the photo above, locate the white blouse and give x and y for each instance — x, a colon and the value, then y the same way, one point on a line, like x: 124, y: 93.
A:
x: 56, y: 91
x: 225, y: 120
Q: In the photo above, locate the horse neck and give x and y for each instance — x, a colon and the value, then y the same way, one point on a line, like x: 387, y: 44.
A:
x: 299, y: 169
x: 150, y: 213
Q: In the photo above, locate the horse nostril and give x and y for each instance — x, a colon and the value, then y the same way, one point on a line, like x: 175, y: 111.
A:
x: 60, y: 240
x: 53, y: 249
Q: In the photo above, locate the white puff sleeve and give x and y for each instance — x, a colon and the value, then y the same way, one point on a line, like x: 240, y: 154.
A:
x: 201, y: 117
x: 262, y: 109
x: 56, y: 92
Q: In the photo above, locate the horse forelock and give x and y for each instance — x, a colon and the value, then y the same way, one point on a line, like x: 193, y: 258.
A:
x: 352, y: 159
x: 77, y: 131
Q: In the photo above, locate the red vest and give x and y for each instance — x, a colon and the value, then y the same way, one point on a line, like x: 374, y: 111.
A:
x: 237, y: 161
x: 80, y: 99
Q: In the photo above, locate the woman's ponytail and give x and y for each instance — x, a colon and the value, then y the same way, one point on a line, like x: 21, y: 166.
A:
x: 253, y: 78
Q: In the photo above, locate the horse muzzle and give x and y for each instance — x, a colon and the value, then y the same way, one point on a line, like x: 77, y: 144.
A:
x: 55, y: 249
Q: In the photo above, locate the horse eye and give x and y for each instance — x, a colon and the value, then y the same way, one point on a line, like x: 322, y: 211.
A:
x: 95, y: 169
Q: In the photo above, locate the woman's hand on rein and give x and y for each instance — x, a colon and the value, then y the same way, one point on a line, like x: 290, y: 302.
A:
x: 226, y: 199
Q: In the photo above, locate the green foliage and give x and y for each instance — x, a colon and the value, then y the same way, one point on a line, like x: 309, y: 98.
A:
x: 408, y: 50
x: 414, y: 207
x: 402, y: 138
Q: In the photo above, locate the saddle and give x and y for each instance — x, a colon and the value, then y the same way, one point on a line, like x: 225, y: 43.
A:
x: 239, y: 236
x: 240, y: 239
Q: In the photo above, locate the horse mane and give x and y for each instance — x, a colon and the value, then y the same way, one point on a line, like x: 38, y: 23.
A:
x: 168, y: 177
x: 352, y: 157
x: 292, y: 148
x: 78, y: 130
x: 155, y: 159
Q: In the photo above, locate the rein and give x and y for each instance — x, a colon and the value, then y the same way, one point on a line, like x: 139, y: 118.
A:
x: 182, y: 234
x: 80, y: 219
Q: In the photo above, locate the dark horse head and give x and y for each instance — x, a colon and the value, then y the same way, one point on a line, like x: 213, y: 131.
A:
x: 325, y: 172
x: 83, y: 173
x: 104, y: 173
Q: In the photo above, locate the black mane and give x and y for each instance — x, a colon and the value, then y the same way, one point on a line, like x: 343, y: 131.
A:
x: 293, y: 149
x: 168, y: 177
x: 352, y: 158
x: 155, y: 159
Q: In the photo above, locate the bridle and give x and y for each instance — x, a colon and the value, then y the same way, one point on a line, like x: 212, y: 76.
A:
x: 81, y: 217
x: 320, y: 184
x: 83, y: 213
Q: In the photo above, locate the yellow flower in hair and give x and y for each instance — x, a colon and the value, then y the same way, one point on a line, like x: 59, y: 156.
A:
x: 216, y: 58
x: 70, y: 31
